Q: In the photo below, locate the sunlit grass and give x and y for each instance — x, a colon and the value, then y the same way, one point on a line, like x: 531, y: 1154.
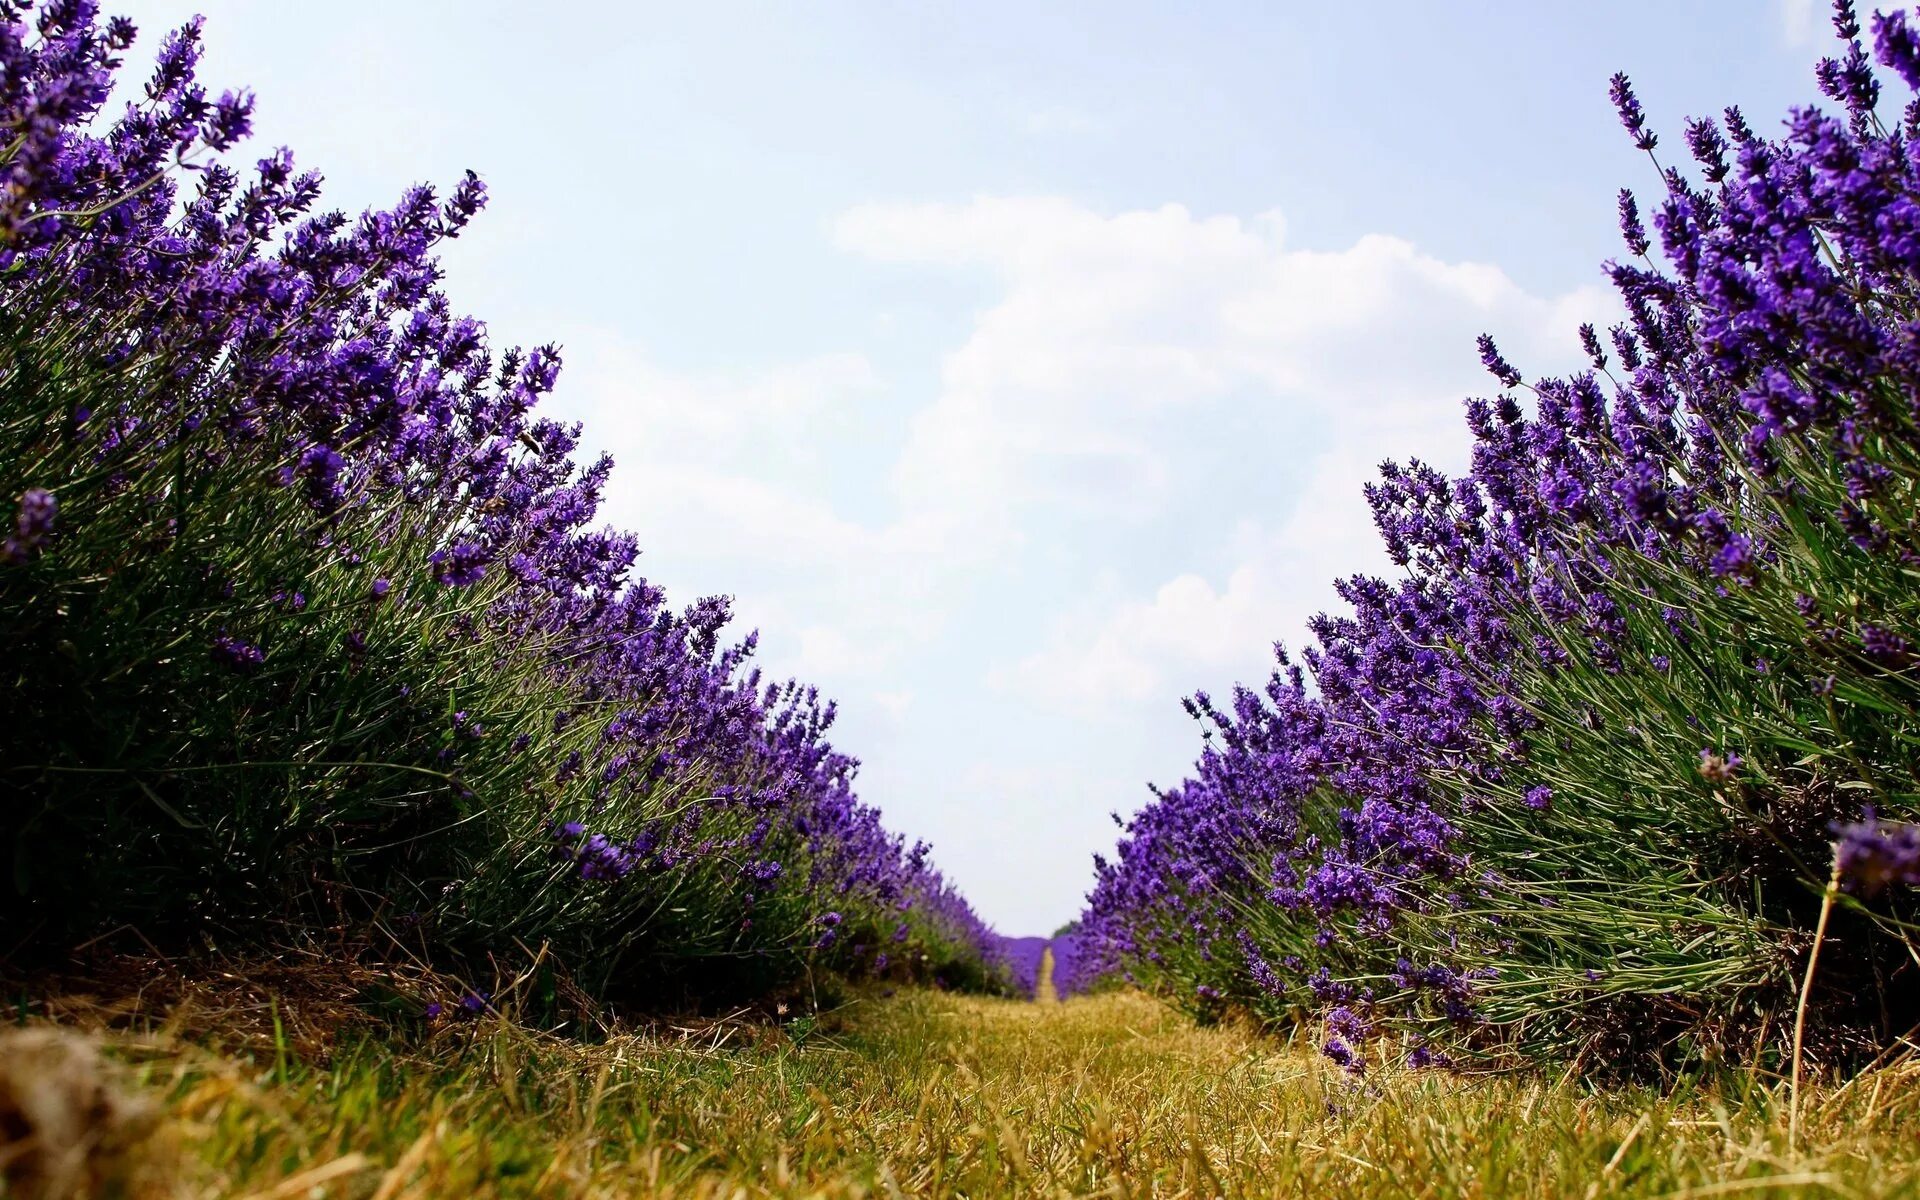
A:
x: 929, y: 1094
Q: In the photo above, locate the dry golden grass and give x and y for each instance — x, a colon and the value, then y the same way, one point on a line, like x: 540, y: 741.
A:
x: 1043, y: 990
x: 926, y: 1094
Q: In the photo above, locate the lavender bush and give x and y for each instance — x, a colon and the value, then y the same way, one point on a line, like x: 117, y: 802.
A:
x: 304, y: 609
x: 1073, y: 971
x: 1022, y: 956
x: 1017, y: 960
x: 1570, y: 784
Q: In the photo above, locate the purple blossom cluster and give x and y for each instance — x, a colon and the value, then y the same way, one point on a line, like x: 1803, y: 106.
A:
x: 32, y: 527
x: 1022, y: 957
x: 1071, y: 975
x: 1021, y: 960
x: 1582, y: 752
x: 305, y: 511
x: 1870, y: 855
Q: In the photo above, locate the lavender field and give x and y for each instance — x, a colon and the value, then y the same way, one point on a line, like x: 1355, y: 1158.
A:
x: 378, y: 825
x: 1625, y: 752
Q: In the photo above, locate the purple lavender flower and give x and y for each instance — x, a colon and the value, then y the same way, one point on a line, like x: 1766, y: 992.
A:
x: 231, y: 120
x: 1423, y: 1055
x: 276, y: 340
x: 237, y: 654
x: 1886, y: 647
x: 1764, y: 369
x: 1735, y: 558
x: 1347, y: 1024
x: 321, y: 466
x: 1590, y: 342
x: 1719, y: 769
x: 1631, y: 228
x: 1871, y: 855
x: 1632, y: 117
x: 1343, y: 1055
x: 1498, y: 366
x: 1709, y: 149
x: 1896, y: 45
x: 32, y: 526
x: 1562, y: 492
x: 462, y: 566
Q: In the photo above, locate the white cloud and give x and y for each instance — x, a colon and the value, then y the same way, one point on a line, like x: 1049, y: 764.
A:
x: 1126, y: 347
x: 1139, y: 467
x: 1058, y: 121
x: 894, y: 703
x: 1190, y: 634
x: 830, y: 652
x: 1800, y: 21
x: 728, y: 480
x: 1137, y: 368
x: 710, y: 415
x: 721, y: 464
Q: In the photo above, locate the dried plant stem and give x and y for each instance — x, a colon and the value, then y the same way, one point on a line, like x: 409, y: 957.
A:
x: 1800, y: 1013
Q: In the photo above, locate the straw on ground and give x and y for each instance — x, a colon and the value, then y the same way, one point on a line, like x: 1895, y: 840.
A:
x: 930, y: 1094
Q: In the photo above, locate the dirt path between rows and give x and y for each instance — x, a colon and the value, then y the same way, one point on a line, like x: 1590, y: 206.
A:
x: 1043, y: 990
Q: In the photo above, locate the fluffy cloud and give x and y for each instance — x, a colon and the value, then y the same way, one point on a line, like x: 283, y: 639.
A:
x: 1127, y: 347
x: 727, y: 479
x: 1059, y: 121
x: 1800, y: 21
x: 1138, y: 371
x: 1189, y: 633
x: 1139, y: 466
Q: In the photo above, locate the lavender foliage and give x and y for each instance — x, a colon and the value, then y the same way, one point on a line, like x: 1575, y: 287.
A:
x: 306, y: 609
x: 1021, y: 958
x: 1564, y: 785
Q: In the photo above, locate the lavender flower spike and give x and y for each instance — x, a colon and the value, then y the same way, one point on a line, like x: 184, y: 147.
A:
x: 32, y: 527
x: 1870, y: 855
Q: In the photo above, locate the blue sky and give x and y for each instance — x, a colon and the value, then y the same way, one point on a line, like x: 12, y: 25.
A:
x: 1015, y: 366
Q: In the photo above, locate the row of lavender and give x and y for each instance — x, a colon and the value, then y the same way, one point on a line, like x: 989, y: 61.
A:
x: 1024, y: 960
x: 1644, y: 698
x: 305, y: 616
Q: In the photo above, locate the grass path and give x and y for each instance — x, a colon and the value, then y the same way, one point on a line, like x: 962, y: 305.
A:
x: 926, y: 1094
x: 1043, y: 989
